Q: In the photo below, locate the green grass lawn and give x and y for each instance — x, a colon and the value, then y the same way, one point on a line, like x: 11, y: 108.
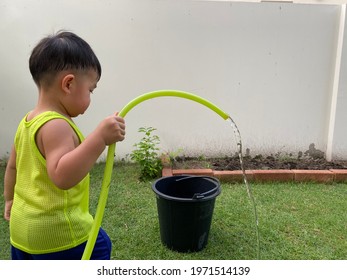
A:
x: 296, y: 221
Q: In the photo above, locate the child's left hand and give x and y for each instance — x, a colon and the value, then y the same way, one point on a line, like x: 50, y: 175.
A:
x: 8, y: 206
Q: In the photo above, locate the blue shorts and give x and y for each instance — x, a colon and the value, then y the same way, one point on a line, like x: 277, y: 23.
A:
x: 102, y: 251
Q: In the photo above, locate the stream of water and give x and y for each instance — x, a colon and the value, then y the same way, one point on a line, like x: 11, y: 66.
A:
x: 249, y: 190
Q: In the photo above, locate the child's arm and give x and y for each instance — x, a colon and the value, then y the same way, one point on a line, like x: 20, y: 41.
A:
x: 69, y: 162
x: 9, y: 183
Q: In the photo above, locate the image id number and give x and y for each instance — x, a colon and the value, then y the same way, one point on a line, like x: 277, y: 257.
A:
x: 206, y: 270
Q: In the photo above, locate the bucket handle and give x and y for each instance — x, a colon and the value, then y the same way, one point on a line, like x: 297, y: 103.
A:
x: 186, y: 177
x: 200, y: 195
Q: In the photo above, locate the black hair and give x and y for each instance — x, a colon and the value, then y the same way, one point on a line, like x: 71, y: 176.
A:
x: 61, y: 51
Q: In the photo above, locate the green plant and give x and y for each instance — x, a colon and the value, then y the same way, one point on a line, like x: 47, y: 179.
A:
x: 146, y: 154
x: 172, y: 155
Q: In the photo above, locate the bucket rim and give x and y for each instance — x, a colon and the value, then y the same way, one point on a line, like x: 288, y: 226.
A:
x: 211, y: 196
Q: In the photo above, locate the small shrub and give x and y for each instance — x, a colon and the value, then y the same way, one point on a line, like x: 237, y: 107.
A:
x: 146, y: 154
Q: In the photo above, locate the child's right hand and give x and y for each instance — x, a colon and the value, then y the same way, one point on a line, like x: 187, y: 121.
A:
x: 112, y: 129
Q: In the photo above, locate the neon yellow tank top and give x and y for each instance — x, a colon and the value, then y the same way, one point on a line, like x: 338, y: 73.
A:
x: 44, y: 218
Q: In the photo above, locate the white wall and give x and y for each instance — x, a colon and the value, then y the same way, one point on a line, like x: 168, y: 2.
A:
x: 269, y: 65
x: 340, y: 135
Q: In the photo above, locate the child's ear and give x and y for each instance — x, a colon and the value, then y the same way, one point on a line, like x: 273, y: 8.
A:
x: 67, y: 82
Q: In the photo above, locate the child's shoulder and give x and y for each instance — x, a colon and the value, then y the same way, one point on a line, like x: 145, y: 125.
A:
x: 46, y: 115
x: 49, y: 122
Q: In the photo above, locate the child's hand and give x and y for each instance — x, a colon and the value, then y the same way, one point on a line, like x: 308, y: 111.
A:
x: 112, y: 129
x: 8, y: 206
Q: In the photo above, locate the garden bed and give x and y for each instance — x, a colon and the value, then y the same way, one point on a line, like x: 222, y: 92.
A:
x: 258, y: 162
x: 261, y: 168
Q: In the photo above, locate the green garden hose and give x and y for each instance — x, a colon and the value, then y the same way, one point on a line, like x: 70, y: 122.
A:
x: 111, y: 152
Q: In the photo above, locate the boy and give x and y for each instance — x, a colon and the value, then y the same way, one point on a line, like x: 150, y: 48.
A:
x: 47, y: 175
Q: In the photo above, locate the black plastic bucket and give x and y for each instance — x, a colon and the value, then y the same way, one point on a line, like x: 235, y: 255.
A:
x: 185, y: 208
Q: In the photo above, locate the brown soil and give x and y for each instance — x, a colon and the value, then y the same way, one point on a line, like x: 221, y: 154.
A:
x: 258, y: 162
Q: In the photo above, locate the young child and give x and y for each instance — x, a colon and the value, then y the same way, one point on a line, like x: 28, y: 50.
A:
x: 47, y: 176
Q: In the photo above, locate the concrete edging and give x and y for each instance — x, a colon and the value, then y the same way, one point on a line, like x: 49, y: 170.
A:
x: 279, y: 175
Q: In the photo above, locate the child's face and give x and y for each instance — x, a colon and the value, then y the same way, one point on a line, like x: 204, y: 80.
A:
x: 85, y: 83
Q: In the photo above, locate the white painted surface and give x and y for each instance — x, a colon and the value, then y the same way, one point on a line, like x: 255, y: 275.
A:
x: 269, y: 65
x: 336, y: 80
